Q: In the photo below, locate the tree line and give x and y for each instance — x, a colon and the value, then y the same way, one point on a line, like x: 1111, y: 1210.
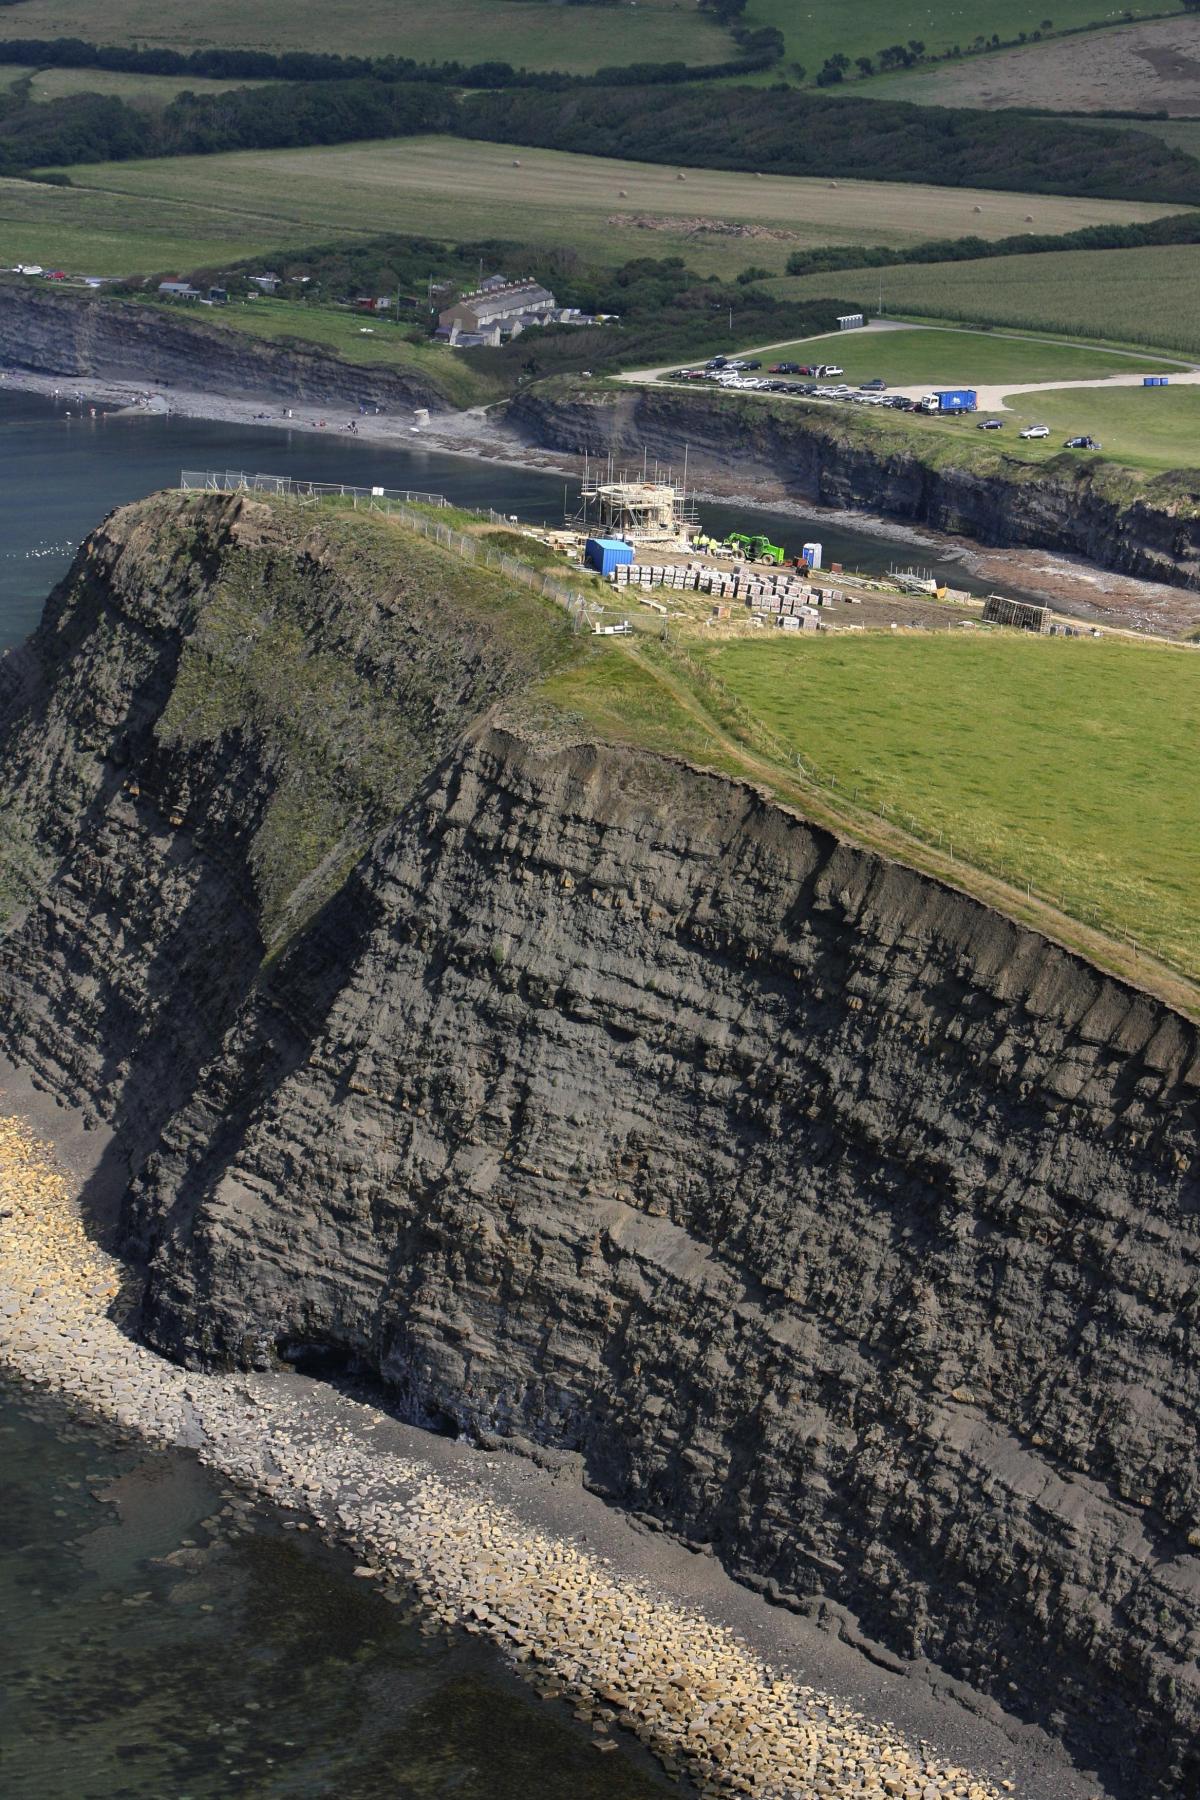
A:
x: 782, y: 131
x: 1174, y: 228
x: 776, y: 130
x: 758, y: 49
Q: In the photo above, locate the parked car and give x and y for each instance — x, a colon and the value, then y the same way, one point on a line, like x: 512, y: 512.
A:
x: 874, y: 387
x: 990, y: 425
x: 715, y: 362
x: 832, y: 369
x: 784, y: 368
x: 1082, y: 443
x: 752, y: 365
x: 1036, y: 431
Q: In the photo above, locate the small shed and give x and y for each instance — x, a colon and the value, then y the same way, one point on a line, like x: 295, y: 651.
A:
x: 606, y: 554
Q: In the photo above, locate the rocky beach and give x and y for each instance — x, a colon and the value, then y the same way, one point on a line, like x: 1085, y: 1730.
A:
x: 627, y: 1655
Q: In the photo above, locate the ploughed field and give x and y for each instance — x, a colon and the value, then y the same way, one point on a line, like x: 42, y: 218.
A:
x: 526, y: 33
x: 1136, y: 68
x: 607, y: 210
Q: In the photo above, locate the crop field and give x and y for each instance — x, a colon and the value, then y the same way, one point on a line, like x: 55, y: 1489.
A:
x: 958, y: 358
x: 138, y: 90
x: 608, y: 211
x: 1070, y: 765
x: 856, y: 27
x: 1119, y: 296
x: 1144, y: 67
x: 533, y: 35
x: 106, y: 234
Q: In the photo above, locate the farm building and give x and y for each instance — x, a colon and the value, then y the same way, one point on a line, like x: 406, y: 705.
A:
x: 1019, y: 613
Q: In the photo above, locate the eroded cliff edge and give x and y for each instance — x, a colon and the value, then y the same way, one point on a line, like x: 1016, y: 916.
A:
x: 838, y: 1222
x: 1138, y: 524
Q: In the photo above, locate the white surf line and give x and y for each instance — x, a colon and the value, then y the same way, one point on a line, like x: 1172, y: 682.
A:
x: 692, y: 1690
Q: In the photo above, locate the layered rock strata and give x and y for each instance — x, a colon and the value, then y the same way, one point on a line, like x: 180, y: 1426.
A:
x: 838, y: 1223
x: 1144, y: 526
x: 78, y: 337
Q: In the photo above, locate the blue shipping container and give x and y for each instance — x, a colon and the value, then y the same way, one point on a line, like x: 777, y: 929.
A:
x: 604, y: 554
x: 956, y: 400
x: 1154, y: 381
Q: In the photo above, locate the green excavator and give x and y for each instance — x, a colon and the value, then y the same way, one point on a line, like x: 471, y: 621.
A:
x: 755, y: 548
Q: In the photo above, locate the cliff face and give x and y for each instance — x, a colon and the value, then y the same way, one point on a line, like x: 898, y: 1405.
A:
x: 806, y: 453
x: 74, y: 336
x: 837, y: 1222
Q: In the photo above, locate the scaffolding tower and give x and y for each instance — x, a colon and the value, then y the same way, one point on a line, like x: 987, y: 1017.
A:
x: 650, y: 509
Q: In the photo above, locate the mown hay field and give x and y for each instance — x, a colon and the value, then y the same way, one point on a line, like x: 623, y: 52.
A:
x: 1122, y: 296
x: 112, y: 234
x: 606, y: 210
x: 526, y: 33
x: 1066, y: 764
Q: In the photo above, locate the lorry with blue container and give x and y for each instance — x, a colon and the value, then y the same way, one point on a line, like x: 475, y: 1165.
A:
x: 606, y: 554
x: 949, y: 400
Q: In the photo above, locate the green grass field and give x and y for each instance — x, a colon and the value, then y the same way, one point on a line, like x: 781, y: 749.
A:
x: 959, y: 358
x: 532, y: 35
x: 138, y: 90
x: 1070, y: 765
x: 447, y: 187
x: 856, y: 27
x: 1148, y: 428
x: 1118, y: 296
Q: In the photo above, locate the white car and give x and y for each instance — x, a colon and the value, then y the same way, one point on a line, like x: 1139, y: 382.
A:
x: 1036, y: 431
x: 832, y: 369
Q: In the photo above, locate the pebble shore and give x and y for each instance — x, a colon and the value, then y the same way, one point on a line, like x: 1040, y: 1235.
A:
x: 699, y: 1698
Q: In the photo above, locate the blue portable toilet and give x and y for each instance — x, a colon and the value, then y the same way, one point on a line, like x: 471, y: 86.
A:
x: 812, y: 554
x: 606, y: 554
x: 1154, y: 380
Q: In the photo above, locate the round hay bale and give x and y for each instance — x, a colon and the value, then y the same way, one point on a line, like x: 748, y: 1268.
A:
x: 516, y: 162
x: 833, y: 184
x: 1029, y: 218
x: 977, y: 209
x: 622, y: 193
x: 681, y: 178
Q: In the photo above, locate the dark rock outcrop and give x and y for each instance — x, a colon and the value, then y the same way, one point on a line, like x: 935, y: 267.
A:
x: 77, y: 336
x: 1141, y: 526
x: 834, y: 1220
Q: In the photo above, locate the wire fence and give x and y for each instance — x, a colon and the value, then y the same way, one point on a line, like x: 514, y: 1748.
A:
x: 238, y: 481
x: 585, y: 613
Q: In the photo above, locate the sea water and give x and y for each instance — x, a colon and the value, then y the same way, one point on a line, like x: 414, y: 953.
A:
x: 62, y: 470
x: 165, y: 1637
